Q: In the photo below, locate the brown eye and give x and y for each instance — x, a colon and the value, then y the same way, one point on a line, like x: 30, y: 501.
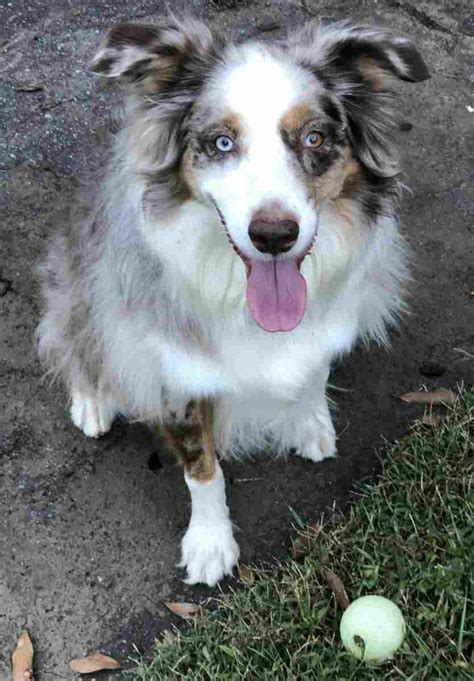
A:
x: 313, y: 139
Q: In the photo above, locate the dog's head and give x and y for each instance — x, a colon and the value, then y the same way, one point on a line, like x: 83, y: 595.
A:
x: 267, y: 134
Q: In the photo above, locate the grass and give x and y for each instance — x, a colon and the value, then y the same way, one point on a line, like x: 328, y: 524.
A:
x: 408, y: 537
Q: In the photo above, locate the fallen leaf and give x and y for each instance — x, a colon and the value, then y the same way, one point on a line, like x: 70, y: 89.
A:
x: 22, y: 659
x: 338, y: 589
x: 30, y: 87
x: 93, y: 663
x: 441, y: 396
x: 246, y: 574
x: 48, y: 104
x: 187, y: 611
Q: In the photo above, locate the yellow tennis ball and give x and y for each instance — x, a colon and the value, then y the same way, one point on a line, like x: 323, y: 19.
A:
x: 372, y: 628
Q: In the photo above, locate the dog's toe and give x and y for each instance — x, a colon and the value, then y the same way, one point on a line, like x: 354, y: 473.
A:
x: 320, y: 445
x: 209, y: 553
x: 91, y: 416
x: 321, y: 448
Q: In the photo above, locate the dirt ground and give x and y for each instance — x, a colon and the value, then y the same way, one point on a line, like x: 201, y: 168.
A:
x: 90, y: 530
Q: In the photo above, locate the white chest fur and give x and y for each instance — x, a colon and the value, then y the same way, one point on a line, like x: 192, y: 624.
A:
x: 353, y: 288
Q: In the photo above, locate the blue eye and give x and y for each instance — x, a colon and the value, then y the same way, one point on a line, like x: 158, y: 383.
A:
x: 313, y: 139
x: 224, y: 143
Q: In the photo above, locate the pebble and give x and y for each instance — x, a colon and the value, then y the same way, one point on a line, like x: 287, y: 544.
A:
x: 467, y: 26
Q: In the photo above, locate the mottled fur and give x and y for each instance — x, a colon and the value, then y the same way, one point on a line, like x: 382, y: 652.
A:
x: 145, y: 299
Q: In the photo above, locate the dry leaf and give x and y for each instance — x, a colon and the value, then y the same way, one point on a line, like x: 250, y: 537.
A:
x: 246, y: 574
x: 441, y: 396
x: 338, y: 589
x: 93, y: 663
x: 30, y: 87
x: 22, y: 659
x: 187, y: 611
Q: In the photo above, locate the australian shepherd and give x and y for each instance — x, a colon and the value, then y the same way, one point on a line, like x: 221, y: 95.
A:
x: 243, y: 235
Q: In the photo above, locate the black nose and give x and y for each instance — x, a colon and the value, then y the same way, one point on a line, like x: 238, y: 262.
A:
x: 274, y: 237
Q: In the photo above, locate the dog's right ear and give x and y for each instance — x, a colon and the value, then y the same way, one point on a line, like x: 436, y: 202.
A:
x: 152, y: 57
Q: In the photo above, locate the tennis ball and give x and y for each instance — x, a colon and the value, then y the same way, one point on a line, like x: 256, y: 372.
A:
x: 372, y: 628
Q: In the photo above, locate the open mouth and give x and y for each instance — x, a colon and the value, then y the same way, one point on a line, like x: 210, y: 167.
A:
x: 276, y: 289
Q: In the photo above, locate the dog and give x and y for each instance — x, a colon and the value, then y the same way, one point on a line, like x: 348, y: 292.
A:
x: 244, y: 235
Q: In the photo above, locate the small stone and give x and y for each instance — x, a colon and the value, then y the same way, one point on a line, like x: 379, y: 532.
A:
x: 268, y: 23
x: 467, y: 26
x: 406, y: 126
x: 106, y: 582
x: 26, y: 483
x: 5, y: 286
x: 431, y: 369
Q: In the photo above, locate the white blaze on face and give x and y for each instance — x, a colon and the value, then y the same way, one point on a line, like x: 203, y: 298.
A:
x: 259, y: 89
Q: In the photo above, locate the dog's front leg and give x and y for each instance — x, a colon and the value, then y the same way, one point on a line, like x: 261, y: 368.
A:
x: 209, y: 550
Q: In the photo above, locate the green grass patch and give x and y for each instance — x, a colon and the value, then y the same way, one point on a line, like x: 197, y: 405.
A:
x: 409, y: 537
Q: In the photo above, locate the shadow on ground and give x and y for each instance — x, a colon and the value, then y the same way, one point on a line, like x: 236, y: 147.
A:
x: 90, y: 530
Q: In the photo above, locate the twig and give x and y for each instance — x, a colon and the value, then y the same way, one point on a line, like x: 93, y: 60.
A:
x: 338, y: 589
x: 469, y: 355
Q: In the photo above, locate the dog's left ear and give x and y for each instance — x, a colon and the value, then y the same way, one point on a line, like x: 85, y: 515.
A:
x: 359, y: 64
x: 376, y: 54
x: 152, y: 57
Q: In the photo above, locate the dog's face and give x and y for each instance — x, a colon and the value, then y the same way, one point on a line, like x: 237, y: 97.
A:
x: 267, y: 135
x: 260, y: 145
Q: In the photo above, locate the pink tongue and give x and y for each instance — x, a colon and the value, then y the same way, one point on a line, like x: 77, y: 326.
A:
x: 276, y: 294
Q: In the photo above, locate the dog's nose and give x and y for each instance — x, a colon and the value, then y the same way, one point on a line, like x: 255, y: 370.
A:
x: 273, y: 233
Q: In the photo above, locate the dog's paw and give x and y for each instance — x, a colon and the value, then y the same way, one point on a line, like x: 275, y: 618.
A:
x: 91, y: 416
x: 209, y: 552
x: 321, y: 445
